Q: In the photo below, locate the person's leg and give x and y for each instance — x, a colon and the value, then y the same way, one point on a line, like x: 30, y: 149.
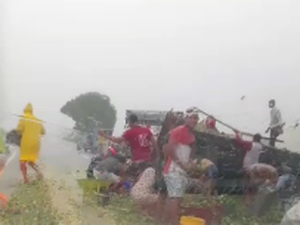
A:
x: 247, y: 189
x: 23, y: 168
x: 3, y: 200
x: 176, y: 185
x: 273, y: 136
x: 160, y: 207
x: 36, y: 169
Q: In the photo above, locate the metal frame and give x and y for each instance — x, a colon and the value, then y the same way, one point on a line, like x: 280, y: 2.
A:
x: 151, y: 117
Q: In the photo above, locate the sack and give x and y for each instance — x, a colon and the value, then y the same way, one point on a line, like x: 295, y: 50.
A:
x: 159, y: 184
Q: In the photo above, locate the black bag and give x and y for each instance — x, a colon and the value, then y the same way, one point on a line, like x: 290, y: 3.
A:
x: 159, y: 184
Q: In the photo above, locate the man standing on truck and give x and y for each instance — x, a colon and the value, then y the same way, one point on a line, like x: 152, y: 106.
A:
x: 140, y: 139
x: 276, y: 123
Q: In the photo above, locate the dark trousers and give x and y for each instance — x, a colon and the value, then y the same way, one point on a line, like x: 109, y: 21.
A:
x: 274, y: 133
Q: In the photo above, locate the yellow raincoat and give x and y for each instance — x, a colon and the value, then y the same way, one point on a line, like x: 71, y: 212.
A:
x: 31, y: 129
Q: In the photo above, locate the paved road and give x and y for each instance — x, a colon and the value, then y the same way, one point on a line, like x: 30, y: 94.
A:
x: 62, y: 160
x: 59, y: 156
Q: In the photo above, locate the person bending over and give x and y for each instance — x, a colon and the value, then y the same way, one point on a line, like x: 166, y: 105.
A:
x: 209, y: 175
x: 97, y: 159
x: 260, y: 175
x: 111, y: 169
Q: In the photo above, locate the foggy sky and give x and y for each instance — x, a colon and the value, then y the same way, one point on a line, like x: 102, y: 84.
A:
x: 154, y: 55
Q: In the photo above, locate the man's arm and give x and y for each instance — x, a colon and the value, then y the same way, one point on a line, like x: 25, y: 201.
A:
x: 170, y: 149
x: 246, y: 145
x: 155, y: 146
x: 117, y: 140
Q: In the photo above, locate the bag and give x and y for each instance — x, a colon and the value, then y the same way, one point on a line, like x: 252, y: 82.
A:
x: 159, y: 184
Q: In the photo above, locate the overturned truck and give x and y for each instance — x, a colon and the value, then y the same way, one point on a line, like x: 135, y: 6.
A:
x: 228, y: 155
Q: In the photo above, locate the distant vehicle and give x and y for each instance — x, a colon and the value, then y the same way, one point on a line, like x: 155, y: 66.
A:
x: 149, y: 117
x: 86, y: 143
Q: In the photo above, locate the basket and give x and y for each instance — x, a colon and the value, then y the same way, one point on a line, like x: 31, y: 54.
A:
x: 189, y: 220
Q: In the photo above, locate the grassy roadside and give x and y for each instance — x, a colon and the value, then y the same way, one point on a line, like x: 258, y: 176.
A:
x: 124, y: 212
x: 34, y: 203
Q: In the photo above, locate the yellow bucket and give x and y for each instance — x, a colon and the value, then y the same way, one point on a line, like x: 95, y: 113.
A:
x: 189, y: 220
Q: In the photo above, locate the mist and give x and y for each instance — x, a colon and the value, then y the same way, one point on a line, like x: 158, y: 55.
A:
x: 154, y: 55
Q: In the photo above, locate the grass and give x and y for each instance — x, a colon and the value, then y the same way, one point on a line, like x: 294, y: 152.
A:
x: 34, y: 203
x: 235, y: 212
x: 124, y: 212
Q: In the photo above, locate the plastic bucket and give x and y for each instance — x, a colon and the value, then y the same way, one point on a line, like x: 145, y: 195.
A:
x: 93, y: 185
x: 211, y: 215
x: 189, y: 220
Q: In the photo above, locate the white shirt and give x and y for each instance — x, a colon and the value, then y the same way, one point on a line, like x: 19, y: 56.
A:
x: 276, y: 119
x: 183, y: 153
x: 252, y: 156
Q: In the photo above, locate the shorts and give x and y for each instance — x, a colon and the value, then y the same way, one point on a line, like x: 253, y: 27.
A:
x: 176, y: 184
x: 212, y: 172
x: 107, y: 176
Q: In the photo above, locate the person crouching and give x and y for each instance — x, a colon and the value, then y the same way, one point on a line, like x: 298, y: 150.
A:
x: 210, y: 174
x: 111, y: 169
x: 260, y: 175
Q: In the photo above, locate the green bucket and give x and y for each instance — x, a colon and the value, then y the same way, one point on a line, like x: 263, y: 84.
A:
x: 93, y: 185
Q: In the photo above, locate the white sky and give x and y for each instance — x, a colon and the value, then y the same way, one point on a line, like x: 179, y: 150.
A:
x: 153, y: 55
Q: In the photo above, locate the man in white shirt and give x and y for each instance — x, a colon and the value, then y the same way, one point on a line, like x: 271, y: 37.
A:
x: 276, y: 123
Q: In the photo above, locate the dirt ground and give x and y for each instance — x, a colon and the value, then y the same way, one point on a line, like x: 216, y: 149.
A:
x: 66, y: 196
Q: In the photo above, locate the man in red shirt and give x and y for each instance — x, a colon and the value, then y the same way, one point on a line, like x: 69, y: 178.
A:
x: 140, y: 140
x: 178, y: 152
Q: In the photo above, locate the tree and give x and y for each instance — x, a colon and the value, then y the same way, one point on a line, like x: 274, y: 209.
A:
x: 91, y: 110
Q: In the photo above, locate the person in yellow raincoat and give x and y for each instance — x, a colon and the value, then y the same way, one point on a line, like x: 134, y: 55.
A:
x: 31, y: 129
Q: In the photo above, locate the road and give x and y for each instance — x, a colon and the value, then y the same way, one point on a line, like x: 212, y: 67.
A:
x: 62, y: 160
x: 59, y: 156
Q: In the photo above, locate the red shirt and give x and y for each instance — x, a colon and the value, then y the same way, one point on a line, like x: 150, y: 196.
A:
x: 139, y: 140
x: 184, y: 137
